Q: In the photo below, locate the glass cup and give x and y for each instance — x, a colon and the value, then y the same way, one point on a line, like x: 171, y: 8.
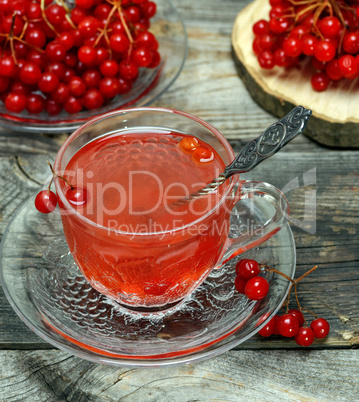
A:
x: 155, y: 270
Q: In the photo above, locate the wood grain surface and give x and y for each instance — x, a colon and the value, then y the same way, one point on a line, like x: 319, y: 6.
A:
x: 235, y: 376
x: 263, y: 369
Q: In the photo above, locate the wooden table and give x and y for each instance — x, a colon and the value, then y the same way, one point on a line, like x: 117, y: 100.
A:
x: 260, y: 369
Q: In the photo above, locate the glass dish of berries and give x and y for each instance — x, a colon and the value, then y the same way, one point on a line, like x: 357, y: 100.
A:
x: 63, y: 62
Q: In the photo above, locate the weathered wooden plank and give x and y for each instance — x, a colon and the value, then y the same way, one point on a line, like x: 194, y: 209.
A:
x: 214, y: 15
x: 234, y: 376
x: 15, y: 186
x: 35, y: 166
x: 16, y: 143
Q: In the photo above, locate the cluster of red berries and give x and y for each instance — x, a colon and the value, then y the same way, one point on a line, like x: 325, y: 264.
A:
x: 54, y: 58
x: 291, y: 324
x: 46, y: 200
x: 325, y: 31
x: 249, y: 282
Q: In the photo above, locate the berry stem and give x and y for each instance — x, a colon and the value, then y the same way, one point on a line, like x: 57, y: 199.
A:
x: 302, y: 3
x: 104, y: 31
x: 124, y: 24
x: 63, y: 5
x: 294, y: 282
x: 334, y: 7
x: 42, y: 6
x: 49, y: 186
x: 60, y: 177
x: 67, y: 16
x: 23, y: 30
x: 300, y: 307
x: 308, y: 311
x: 298, y: 304
x: 19, y: 39
x: 318, y: 11
x: 286, y: 304
x: 269, y: 269
x: 307, y: 273
x: 305, y: 11
x: 68, y: 11
x: 10, y: 38
x: 129, y: 52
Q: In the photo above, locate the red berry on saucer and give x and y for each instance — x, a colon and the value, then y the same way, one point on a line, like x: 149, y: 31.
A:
x: 256, y: 288
x: 240, y: 284
x: 247, y: 269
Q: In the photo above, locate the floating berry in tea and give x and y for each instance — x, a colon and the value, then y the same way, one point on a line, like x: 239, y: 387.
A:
x: 77, y: 196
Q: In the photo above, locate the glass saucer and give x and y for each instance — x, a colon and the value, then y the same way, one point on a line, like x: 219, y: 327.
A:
x: 49, y: 293
x: 170, y: 32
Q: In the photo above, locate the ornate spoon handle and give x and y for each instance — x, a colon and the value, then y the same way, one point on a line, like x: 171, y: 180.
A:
x: 270, y: 141
x: 267, y: 144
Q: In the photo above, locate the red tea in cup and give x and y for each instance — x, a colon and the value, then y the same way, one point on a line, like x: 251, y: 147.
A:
x: 131, y: 181
x: 128, y: 239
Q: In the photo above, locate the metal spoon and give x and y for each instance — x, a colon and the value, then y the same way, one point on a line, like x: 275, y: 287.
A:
x: 253, y: 153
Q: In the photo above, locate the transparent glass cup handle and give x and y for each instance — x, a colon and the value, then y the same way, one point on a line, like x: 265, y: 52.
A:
x: 260, y: 213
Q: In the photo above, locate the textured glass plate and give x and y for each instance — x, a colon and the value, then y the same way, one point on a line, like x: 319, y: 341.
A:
x: 170, y: 32
x: 48, y: 292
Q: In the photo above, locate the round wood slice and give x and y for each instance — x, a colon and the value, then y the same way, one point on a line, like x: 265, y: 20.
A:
x: 335, y: 120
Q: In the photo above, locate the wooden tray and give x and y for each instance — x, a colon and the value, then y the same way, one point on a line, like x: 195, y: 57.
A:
x: 335, y: 120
